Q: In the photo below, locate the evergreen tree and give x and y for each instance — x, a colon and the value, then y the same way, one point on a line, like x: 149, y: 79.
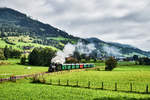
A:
x: 33, y: 57
x: 6, y: 52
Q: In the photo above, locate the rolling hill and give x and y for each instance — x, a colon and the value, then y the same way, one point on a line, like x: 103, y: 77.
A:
x: 24, y: 33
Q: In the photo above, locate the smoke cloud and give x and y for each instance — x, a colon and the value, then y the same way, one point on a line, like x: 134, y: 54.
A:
x: 84, y: 49
x: 111, y: 51
x: 69, y: 49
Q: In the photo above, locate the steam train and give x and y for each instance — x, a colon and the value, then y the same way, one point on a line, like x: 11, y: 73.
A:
x: 60, y: 67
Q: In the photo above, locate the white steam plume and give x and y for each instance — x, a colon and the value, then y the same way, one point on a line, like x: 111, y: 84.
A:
x: 69, y: 49
x: 61, y: 55
x: 84, y: 49
x: 112, y: 51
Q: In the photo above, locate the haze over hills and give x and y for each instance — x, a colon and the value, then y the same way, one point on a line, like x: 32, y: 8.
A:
x: 17, y: 28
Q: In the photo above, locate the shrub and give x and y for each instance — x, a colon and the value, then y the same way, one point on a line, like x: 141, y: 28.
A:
x: 12, y: 78
x: 110, y: 63
x: 23, y: 60
x: 36, y: 79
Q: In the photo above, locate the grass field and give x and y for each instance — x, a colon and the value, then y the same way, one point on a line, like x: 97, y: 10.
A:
x: 24, y: 90
x: 11, y: 67
x: 137, y: 75
x: 124, y: 74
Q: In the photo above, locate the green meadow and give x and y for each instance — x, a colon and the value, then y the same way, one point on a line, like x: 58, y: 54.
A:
x: 12, y: 67
x: 125, y: 74
x: 138, y: 76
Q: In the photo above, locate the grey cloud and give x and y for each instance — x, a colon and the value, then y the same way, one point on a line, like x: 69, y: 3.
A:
x: 124, y: 21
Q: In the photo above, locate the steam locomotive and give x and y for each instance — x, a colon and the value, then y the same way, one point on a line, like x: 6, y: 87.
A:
x: 59, y: 67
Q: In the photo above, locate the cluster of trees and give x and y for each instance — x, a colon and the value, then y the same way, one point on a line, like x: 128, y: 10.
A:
x: 141, y: 60
x: 41, y: 56
x: 10, y: 30
x: 9, y: 52
x: 144, y: 61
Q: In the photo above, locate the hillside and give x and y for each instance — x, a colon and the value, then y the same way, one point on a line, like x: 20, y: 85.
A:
x: 16, y: 24
x: 123, y: 49
x: 24, y: 33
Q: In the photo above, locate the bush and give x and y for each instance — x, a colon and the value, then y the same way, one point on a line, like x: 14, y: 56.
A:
x: 110, y: 63
x: 36, y: 79
x: 2, y: 57
x: 12, y: 78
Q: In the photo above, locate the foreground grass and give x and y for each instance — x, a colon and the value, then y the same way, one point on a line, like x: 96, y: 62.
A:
x: 124, y: 74
x: 23, y: 90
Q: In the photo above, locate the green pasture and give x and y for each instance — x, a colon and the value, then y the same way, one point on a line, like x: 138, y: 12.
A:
x: 125, y: 74
x: 11, y: 67
x: 136, y: 75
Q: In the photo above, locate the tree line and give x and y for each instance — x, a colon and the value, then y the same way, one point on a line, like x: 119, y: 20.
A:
x: 9, y: 52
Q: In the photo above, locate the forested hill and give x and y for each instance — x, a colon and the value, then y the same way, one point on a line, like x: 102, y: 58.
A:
x: 14, y: 23
x: 12, y: 20
x: 22, y: 32
x: 124, y: 49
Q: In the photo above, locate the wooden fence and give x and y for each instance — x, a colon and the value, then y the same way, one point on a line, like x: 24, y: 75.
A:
x: 101, y: 86
x: 14, y: 78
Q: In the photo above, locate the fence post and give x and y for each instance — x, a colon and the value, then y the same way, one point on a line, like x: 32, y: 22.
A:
x: 10, y: 78
x: 146, y: 88
x: 50, y: 81
x: 67, y: 82
x: 59, y: 82
x: 15, y: 79
x: 89, y: 84
x: 130, y: 87
x: 115, y: 86
x: 102, y: 85
x: 77, y: 83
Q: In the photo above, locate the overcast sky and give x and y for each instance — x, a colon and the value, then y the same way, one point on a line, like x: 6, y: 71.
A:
x: 123, y: 21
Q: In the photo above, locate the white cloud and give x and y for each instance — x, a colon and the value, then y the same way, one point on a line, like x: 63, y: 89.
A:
x: 124, y: 21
